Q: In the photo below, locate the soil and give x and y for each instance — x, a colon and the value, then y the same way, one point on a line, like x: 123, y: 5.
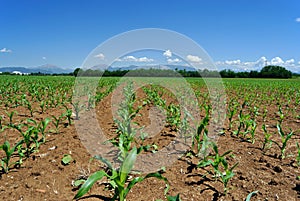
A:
x: 44, y: 177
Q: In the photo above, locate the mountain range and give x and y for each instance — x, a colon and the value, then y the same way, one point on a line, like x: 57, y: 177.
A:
x: 45, y: 69
x: 52, y: 69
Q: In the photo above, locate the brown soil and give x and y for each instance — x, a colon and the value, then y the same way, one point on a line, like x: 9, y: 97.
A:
x: 43, y: 177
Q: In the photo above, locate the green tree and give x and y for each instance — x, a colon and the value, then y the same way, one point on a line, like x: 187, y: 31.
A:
x: 275, y: 72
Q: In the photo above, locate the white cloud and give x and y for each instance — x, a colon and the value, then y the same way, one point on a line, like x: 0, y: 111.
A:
x: 44, y: 58
x: 136, y: 59
x: 167, y: 53
x: 234, y: 62
x: 277, y: 61
x: 5, y: 50
x: 290, y: 62
x: 257, y: 65
x: 100, y: 56
x: 193, y: 59
x: 298, y: 19
x: 176, y: 60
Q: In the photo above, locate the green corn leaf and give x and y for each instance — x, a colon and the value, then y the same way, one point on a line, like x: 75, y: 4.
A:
x: 105, y: 161
x: 132, y: 183
x: 250, y: 195
x: 204, y: 163
x: 174, y: 198
x: 128, y: 164
x: 159, y: 176
x: 89, y: 183
x: 226, y: 153
x: 79, y: 182
x: 234, y: 166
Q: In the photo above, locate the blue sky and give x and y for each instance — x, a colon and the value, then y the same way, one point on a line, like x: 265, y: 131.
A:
x: 238, y: 34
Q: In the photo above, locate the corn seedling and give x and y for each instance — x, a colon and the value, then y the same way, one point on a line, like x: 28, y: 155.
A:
x: 68, y: 114
x: 77, y: 108
x: 56, y: 122
x: 215, y: 161
x: 42, y: 128
x: 231, y: 112
x: 118, y: 178
x: 10, y: 116
x: 281, y: 114
x: 6, y: 161
x: 284, y: 139
x: 298, y: 154
x: 202, y: 129
x: 42, y: 106
x: 173, y: 116
x: 29, y: 106
x: 267, y: 143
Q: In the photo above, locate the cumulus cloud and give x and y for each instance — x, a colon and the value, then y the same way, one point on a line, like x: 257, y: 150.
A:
x: 100, y: 56
x: 290, y: 62
x: 256, y: 65
x: 277, y: 61
x: 298, y: 19
x: 44, y: 58
x: 5, y: 50
x: 167, y: 53
x: 136, y: 59
x: 176, y: 60
x: 193, y: 59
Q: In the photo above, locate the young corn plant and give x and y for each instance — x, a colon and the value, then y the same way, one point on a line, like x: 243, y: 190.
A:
x: 77, y: 108
x: 298, y: 154
x: 56, y: 122
x: 118, y: 178
x: 202, y: 143
x: 231, y: 112
x: 29, y: 106
x: 218, y: 162
x: 42, y: 128
x: 42, y: 106
x: 267, y: 143
x: 10, y: 116
x: 250, y: 127
x: 284, y: 139
x: 173, y: 116
x: 68, y: 115
x: 6, y: 161
x: 30, y: 136
x: 280, y: 114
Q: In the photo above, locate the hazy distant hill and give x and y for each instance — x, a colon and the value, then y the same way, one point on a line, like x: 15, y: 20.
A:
x: 133, y: 67
x: 46, y: 69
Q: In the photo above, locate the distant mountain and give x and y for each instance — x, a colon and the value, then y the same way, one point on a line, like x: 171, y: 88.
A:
x: 45, y: 69
x: 162, y: 67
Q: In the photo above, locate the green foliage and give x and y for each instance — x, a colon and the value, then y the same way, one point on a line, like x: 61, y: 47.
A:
x: 216, y: 161
x: 8, y: 150
x: 275, y: 72
x: 67, y: 159
x: 118, y: 178
x: 267, y: 143
x: 298, y: 154
x: 284, y: 139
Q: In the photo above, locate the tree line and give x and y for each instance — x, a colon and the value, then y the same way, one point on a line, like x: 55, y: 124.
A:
x: 270, y: 71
